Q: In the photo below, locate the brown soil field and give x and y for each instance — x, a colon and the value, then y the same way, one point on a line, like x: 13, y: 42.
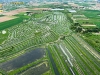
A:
x: 6, y: 18
x: 14, y: 12
x: 9, y: 15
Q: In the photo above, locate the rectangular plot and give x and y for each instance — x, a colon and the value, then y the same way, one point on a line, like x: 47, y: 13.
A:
x: 37, y: 70
x: 23, y: 59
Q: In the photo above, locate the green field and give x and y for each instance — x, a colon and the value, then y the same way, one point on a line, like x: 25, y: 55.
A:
x: 93, y: 15
x: 7, y: 24
x: 94, y: 19
x: 66, y: 53
x: 4, y: 25
x: 93, y: 40
x: 85, y: 22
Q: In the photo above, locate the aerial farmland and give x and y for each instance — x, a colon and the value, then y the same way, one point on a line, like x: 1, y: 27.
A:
x: 47, y: 39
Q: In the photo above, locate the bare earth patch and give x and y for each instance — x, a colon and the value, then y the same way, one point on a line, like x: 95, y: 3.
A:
x: 14, y: 12
x: 6, y: 18
x: 10, y: 15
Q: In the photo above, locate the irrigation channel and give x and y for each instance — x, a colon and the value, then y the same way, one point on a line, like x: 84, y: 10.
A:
x: 53, y: 63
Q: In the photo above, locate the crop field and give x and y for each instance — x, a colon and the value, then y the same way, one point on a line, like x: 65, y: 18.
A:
x: 19, y: 37
x: 45, y: 44
x: 19, y: 18
x: 82, y: 58
x: 94, y: 40
x: 93, y: 15
x: 13, y: 20
x: 85, y: 21
x: 72, y: 57
x: 92, y: 23
x: 80, y: 17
